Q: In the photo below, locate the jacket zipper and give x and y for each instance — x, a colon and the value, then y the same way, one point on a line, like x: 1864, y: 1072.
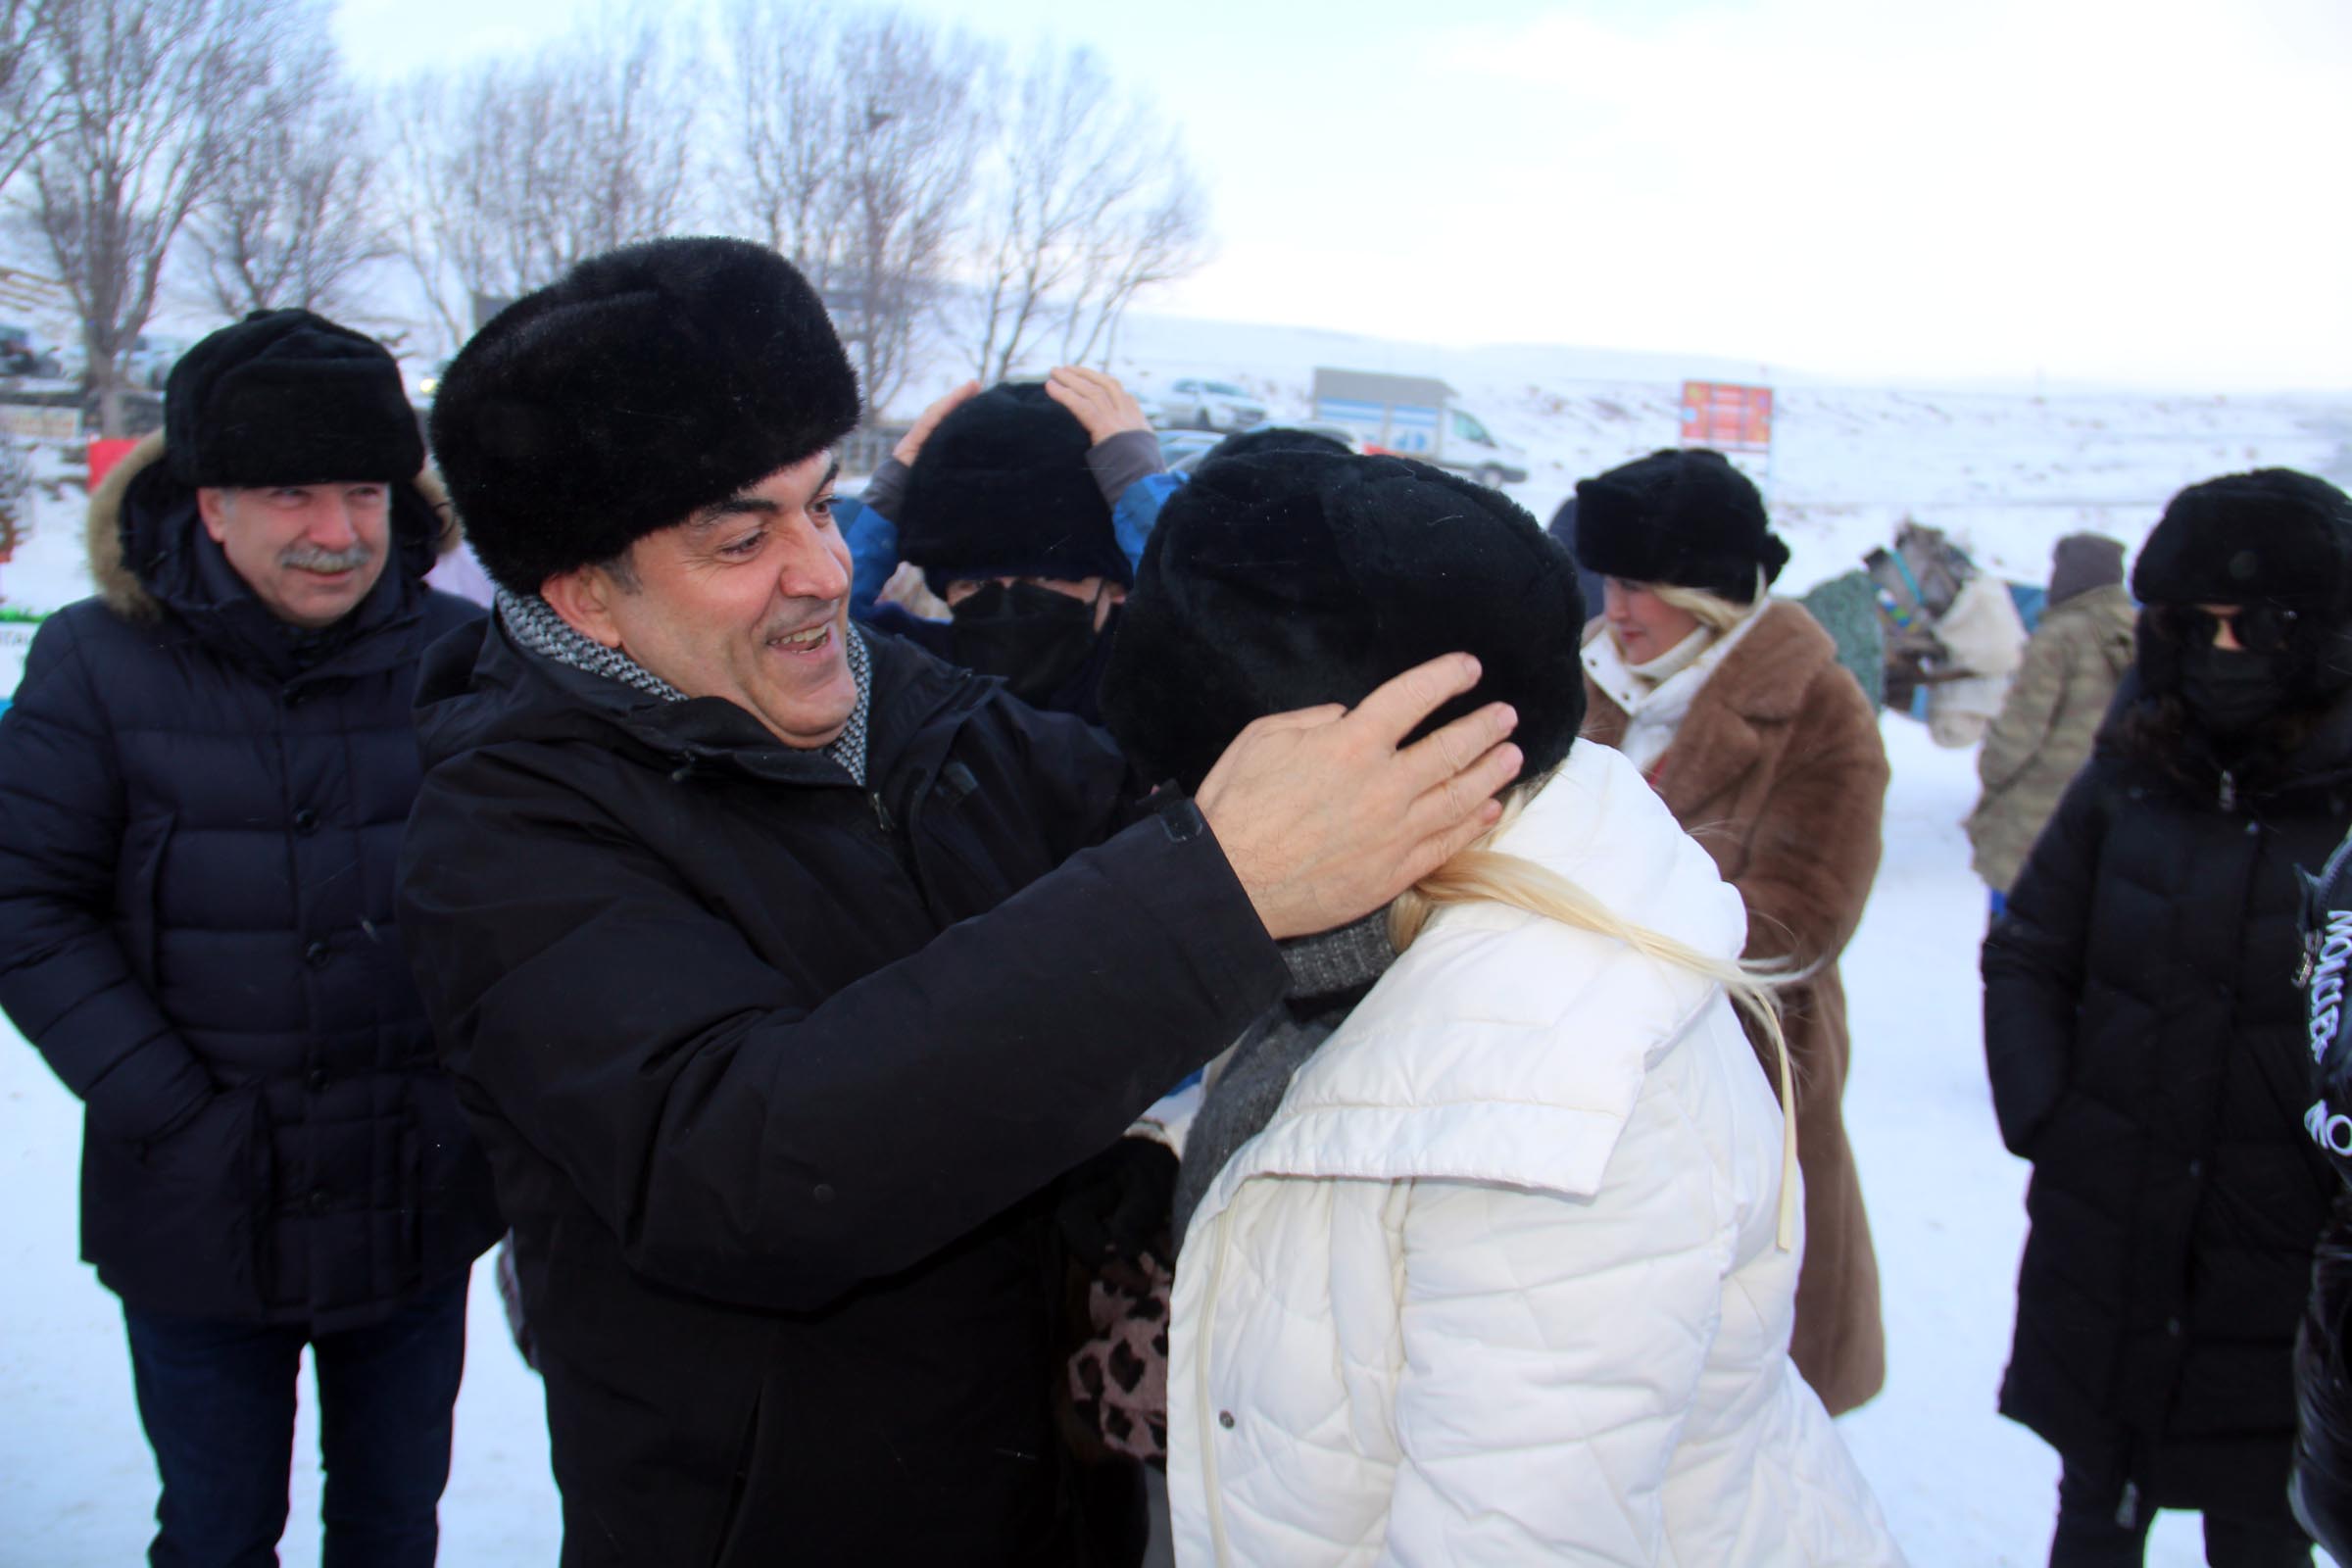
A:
x: 2228, y: 791
x: 1205, y: 1421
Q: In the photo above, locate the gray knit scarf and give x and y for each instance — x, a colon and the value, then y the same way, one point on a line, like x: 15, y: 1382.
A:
x: 1329, y: 973
x: 536, y: 628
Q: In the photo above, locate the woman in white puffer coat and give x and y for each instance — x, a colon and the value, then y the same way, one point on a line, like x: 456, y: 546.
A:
x: 1494, y: 1260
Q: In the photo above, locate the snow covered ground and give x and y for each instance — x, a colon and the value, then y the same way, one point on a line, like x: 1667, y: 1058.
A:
x: 1963, y: 1488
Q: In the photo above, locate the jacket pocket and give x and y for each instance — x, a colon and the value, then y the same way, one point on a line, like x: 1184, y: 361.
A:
x: 180, y: 1224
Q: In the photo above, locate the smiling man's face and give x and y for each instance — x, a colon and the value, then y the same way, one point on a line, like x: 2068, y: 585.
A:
x: 309, y: 552
x: 748, y: 600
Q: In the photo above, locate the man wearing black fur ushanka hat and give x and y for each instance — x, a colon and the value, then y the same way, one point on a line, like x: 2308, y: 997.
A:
x: 2146, y: 1044
x: 786, y: 968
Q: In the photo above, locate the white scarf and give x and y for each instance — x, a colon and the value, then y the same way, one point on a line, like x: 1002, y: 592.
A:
x: 1657, y: 694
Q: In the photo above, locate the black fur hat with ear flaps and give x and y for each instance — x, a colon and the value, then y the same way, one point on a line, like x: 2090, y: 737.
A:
x: 645, y: 384
x: 1685, y: 517
x: 2273, y: 537
x: 1293, y: 578
x: 288, y: 398
x: 1001, y: 489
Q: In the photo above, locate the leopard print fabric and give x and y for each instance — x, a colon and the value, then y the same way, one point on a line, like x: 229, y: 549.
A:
x: 1119, y: 1376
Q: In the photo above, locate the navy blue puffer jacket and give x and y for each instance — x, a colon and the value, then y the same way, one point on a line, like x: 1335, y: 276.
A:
x: 199, y: 823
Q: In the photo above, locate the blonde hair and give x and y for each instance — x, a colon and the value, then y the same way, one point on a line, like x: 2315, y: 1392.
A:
x: 1710, y: 610
x: 1481, y: 875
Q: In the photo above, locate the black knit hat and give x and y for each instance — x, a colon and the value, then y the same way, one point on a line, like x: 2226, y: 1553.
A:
x: 1681, y: 517
x: 286, y: 396
x: 2272, y: 536
x: 1001, y: 489
x: 1295, y: 578
x: 645, y: 384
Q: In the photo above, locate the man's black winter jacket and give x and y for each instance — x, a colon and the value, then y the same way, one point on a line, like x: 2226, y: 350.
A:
x: 775, y: 1071
x: 2147, y: 1054
x: 198, y: 828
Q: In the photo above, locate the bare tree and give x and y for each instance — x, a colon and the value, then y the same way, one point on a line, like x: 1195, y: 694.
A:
x: 516, y: 171
x: 1089, y: 202
x: 853, y: 150
x: 298, y: 209
x: 154, y: 95
x: 781, y: 173
x: 30, y: 101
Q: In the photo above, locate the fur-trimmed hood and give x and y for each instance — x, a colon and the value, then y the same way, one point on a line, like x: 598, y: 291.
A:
x: 419, y: 539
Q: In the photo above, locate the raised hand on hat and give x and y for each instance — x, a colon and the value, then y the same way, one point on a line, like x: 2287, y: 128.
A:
x: 912, y: 443
x: 1096, y: 401
x: 1325, y: 816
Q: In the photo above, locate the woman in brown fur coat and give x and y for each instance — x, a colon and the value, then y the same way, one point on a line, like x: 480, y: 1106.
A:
x: 1736, y: 708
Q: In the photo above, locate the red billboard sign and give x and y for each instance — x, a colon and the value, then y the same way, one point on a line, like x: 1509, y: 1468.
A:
x: 1727, y: 417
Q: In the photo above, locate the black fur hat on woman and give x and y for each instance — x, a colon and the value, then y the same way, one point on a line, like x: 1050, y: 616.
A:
x: 2272, y: 536
x: 1683, y: 518
x: 643, y: 385
x: 1293, y: 578
x: 2274, y: 539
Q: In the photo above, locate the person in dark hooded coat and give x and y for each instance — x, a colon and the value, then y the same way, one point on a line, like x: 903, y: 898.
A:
x: 203, y: 782
x: 2145, y: 1045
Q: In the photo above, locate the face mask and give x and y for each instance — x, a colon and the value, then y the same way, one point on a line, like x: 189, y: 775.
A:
x: 1033, y: 637
x: 2228, y: 693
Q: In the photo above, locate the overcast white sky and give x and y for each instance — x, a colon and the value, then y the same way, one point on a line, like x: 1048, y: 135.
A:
x: 2129, y: 190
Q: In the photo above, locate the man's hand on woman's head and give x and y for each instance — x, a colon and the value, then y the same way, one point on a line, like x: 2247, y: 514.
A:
x: 1324, y: 815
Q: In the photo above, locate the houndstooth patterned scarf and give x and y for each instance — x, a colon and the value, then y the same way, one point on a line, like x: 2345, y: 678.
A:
x: 536, y: 627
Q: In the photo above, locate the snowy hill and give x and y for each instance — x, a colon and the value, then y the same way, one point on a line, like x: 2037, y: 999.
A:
x: 2006, y: 470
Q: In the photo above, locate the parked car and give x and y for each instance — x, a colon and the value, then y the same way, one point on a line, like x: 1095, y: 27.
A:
x: 19, y: 355
x: 1416, y: 416
x: 1211, y: 406
x: 1183, y: 450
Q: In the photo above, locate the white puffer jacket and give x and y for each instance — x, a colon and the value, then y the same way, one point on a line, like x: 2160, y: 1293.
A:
x: 1498, y: 1283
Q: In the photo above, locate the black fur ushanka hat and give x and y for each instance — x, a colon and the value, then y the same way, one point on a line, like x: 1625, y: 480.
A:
x: 645, y: 384
x: 289, y: 398
x: 2272, y: 536
x: 1681, y: 517
x: 1289, y: 580
x: 1001, y: 489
